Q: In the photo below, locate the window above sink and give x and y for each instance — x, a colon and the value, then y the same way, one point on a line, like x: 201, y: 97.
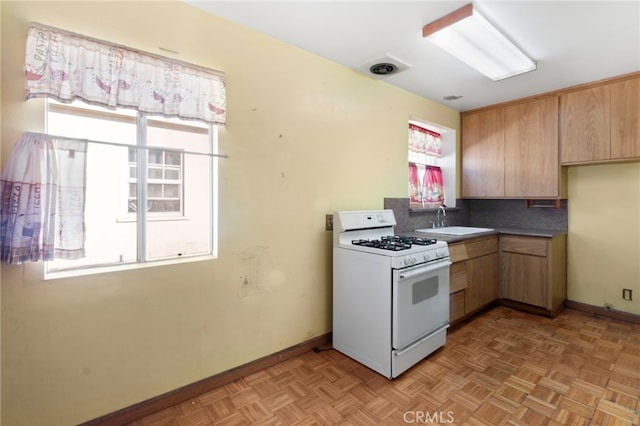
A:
x: 432, y: 156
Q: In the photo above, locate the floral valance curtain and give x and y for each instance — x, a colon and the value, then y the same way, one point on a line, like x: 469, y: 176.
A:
x: 423, y: 143
x: 68, y: 66
x: 42, y: 189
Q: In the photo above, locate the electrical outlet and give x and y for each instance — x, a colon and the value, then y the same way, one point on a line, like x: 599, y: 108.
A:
x: 328, y: 222
x: 626, y: 294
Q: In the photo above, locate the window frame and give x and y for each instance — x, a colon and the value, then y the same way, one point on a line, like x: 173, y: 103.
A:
x: 163, y: 181
x: 142, y: 121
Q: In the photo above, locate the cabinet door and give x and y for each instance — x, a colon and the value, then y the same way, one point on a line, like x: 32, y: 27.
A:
x: 524, y: 278
x: 625, y: 119
x: 483, y: 154
x: 531, y: 149
x: 482, y: 284
x: 585, y: 123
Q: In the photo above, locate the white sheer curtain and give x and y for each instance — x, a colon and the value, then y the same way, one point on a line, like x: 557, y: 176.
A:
x: 42, y: 206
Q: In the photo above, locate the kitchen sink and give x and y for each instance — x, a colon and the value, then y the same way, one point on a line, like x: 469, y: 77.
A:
x: 454, y: 230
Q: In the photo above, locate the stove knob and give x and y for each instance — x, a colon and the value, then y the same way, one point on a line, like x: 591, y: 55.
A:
x: 441, y: 253
x: 409, y: 260
x: 426, y: 257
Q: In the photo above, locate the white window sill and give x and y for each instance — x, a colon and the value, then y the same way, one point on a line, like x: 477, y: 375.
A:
x: 133, y: 218
x: 36, y: 271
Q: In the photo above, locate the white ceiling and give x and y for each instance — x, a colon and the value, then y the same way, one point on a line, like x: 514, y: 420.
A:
x: 572, y: 42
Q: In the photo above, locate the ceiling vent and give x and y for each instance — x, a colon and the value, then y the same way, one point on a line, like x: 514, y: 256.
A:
x: 383, y: 67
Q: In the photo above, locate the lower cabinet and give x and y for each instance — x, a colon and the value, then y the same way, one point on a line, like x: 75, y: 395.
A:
x: 524, y: 272
x: 473, y: 276
x: 483, y: 273
x: 533, y: 272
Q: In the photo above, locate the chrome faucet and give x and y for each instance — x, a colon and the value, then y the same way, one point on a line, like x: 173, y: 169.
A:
x: 444, y: 214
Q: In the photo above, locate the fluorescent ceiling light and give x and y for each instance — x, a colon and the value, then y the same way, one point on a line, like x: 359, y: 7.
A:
x: 469, y: 37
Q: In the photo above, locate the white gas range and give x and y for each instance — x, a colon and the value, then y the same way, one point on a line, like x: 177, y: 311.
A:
x: 390, y: 293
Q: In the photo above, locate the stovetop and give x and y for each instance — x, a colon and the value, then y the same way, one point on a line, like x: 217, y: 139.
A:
x: 401, y: 251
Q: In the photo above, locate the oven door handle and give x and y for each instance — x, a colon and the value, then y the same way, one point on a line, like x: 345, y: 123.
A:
x: 423, y: 269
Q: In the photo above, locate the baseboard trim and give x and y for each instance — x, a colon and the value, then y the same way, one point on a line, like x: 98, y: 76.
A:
x: 153, y: 405
x: 603, y: 312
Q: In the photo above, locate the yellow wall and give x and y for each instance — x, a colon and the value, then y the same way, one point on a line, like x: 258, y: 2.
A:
x: 305, y: 137
x: 604, y: 235
x: 0, y: 266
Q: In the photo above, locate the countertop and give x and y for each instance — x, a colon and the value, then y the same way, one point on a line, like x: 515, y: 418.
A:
x: 529, y: 232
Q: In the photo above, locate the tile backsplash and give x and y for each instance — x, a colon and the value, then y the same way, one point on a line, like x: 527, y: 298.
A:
x: 482, y: 213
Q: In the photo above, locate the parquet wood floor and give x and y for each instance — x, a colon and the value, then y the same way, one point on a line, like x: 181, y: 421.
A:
x: 504, y: 367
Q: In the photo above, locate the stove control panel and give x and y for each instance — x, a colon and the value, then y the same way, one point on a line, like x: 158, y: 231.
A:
x: 425, y: 256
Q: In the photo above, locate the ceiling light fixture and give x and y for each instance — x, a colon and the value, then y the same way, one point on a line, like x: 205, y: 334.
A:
x: 468, y: 36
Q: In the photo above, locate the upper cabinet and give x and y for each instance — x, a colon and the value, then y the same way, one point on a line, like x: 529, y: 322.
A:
x: 483, y: 154
x: 625, y: 119
x: 532, y: 168
x: 600, y: 123
x: 512, y: 151
x: 585, y: 125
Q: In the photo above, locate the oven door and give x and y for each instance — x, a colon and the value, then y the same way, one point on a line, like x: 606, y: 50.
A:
x: 420, y: 301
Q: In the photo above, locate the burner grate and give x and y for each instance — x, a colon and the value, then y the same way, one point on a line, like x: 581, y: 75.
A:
x: 382, y: 244
x: 394, y: 242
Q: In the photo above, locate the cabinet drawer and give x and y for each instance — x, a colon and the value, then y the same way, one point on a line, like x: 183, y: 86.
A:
x: 457, y: 252
x: 457, y: 277
x: 481, y: 247
x: 456, y: 306
x: 524, y: 245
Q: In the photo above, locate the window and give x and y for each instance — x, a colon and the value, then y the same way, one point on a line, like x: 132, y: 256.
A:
x: 135, y: 159
x: 431, y: 165
x: 165, y: 184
